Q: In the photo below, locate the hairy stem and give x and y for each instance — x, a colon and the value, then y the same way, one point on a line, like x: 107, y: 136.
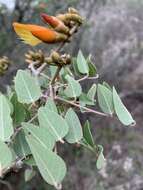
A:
x: 79, y: 106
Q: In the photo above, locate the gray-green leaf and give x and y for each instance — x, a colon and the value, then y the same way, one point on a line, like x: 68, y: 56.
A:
x: 92, y: 67
x: 51, y: 166
x: 73, y: 89
x: 6, y: 127
x: 51, y: 105
x: 27, y: 87
x: 92, y: 92
x: 105, y: 99
x: 75, y: 133
x: 82, y: 63
x: 19, y: 113
x: 20, y: 145
x: 101, y: 160
x: 40, y: 134
x: 121, y: 111
x: 87, y: 134
x: 53, y: 122
x: 6, y: 157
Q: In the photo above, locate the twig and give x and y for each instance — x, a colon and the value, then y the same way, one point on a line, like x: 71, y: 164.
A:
x: 33, y: 118
x: 88, y: 78
x: 85, y: 108
x: 56, y: 75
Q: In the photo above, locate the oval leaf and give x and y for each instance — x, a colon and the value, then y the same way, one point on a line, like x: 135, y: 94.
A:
x: 51, y: 105
x: 51, y: 166
x: 75, y: 133
x: 92, y: 67
x: 101, y: 160
x: 82, y: 63
x: 121, y: 111
x: 19, y: 112
x: 92, y: 92
x: 6, y: 128
x: 6, y: 158
x: 27, y: 87
x: 40, y: 134
x: 105, y: 99
x: 20, y: 145
x: 87, y: 134
x: 52, y: 121
x: 73, y: 89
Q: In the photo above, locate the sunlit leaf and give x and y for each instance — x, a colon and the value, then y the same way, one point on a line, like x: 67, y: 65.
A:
x: 6, y: 127
x: 75, y: 133
x: 53, y: 122
x: 105, y: 99
x: 73, y: 89
x: 82, y: 63
x: 6, y: 157
x: 40, y: 134
x: 51, y: 166
x: 51, y: 105
x: 121, y: 111
x: 27, y: 87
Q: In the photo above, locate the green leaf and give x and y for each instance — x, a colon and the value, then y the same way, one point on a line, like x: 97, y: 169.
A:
x: 19, y: 113
x: 121, y: 111
x: 107, y: 85
x: 6, y: 157
x: 73, y: 89
x: 30, y: 161
x: 105, y: 99
x: 6, y: 128
x: 82, y: 63
x: 85, y: 100
x: 53, y: 122
x: 20, y: 145
x: 75, y: 133
x: 40, y: 134
x: 27, y: 87
x: 92, y: 68
x: 51, y: 166
x: 101, y: 160
x: 92, y: 92
x: 75, y: 68
x: 87, y: 134
x: 29, y: 174
x: 51, y: 105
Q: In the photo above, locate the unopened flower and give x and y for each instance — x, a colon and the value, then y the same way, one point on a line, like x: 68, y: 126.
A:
x: 55, y: 23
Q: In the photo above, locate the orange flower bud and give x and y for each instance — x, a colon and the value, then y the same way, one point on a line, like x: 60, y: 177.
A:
x: 56, y: 23
x: 34, y: 34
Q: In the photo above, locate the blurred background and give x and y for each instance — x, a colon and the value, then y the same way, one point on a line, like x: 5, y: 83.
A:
x: 113, y: 34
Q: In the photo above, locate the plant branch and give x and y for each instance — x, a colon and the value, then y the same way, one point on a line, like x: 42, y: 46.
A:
x: 83, y: 107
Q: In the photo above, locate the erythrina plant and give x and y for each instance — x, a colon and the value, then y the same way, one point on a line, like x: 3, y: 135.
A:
x: 41, y: 110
